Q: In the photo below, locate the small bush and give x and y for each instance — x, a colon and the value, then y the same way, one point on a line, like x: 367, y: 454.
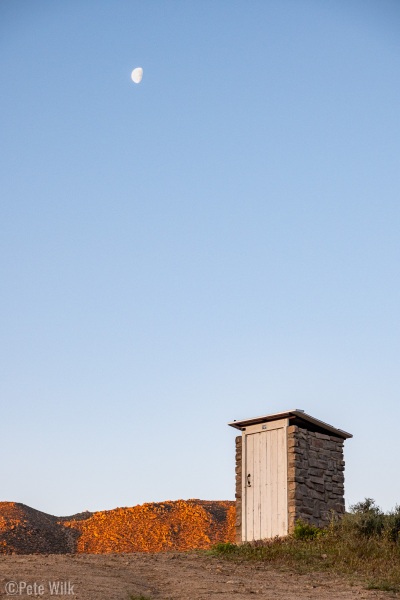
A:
x: 225, y: 548
x: 366, y: 518
x: 305, y: 531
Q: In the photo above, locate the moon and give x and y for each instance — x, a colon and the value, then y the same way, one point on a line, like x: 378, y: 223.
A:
x: 137, y: 75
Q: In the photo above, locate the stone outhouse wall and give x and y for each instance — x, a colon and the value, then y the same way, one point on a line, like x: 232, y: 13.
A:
x: 315, y: 477
x: 238, y: 493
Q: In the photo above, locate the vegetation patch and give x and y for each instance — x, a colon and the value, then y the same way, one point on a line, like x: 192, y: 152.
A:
x: 364, y: 544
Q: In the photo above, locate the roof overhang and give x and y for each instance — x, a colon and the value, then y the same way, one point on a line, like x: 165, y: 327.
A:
x: 294, y: 414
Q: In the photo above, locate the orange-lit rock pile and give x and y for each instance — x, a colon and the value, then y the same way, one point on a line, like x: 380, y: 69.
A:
x: 179, y: 525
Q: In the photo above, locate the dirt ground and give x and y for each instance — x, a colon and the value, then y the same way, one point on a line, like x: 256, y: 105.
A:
x: 164, y: 576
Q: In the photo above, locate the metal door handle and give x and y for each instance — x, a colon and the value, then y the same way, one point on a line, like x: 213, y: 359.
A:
x: 249, y: 480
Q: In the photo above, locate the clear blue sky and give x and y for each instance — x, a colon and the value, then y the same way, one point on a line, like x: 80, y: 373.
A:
x: 218, y: 242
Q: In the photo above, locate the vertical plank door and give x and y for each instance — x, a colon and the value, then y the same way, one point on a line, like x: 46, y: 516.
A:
x: 265, y: 484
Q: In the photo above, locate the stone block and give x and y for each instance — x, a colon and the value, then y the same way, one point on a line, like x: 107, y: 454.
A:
x: 301, y: 472
x: 317, y: 494
x: 336, y: 439
x: 336, y: 455
x: 313, y: 472
x: 307, y: 511
x: 319, y: 480
x: 337, y: 478
x: 322, y: 436
x: 301, y: 489
x: 303, y: 432
x: 292, y: 429
x: 315, y: 443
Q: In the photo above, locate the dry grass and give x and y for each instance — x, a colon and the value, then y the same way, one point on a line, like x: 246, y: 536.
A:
x: 364, y: 545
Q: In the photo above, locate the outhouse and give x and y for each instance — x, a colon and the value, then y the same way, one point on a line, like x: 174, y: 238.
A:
x: 289, y: 466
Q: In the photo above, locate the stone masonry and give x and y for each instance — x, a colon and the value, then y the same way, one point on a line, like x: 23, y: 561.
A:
x: 238, y: 494
x: 315, y: 477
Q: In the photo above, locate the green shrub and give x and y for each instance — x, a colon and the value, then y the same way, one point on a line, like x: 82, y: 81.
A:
x: 305, y: 531
x: 365, y: 519
x: 225, y: 548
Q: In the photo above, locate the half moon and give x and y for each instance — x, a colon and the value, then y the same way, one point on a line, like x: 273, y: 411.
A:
x: 137, y: 75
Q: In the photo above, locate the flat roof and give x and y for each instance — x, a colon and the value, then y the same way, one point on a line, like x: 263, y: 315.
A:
x: 295, y: 413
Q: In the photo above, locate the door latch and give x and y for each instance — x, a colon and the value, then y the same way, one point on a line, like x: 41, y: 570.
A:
x: 249, y: 480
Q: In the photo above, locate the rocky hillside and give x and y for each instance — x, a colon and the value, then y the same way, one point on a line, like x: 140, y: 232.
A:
x: 24, y: 530
x: 156, y: 527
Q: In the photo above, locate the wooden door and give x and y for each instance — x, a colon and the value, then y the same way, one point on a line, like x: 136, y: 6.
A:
x: 265, y: 510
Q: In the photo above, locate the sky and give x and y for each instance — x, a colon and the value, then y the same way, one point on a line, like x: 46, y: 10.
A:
x: 218, y: 242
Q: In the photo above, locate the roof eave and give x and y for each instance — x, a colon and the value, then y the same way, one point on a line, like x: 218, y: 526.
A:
x: 287, y: 414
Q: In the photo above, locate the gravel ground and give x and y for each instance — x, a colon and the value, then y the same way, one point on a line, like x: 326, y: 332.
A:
x: 164, y: 576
